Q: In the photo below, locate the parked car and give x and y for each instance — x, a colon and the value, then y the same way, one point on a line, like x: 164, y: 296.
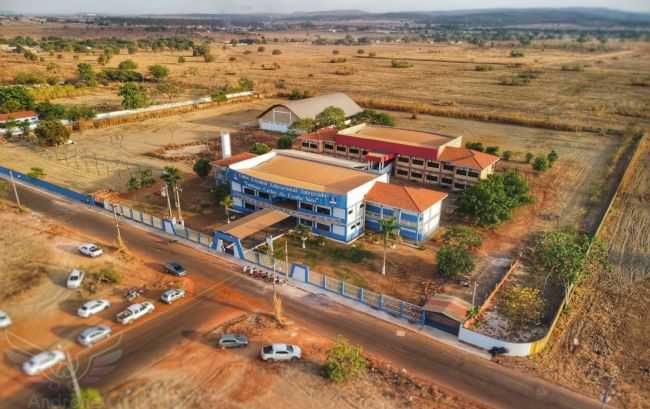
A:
x: 90, y: 250
x: 494, y: 351
x: 175, y: 269
x: 40, y: 362
x: 92, y: 335
x: 233, y: 341
x: 172, y: 295
x: 5, y: 320
x: 135, y: 311
x: 280, y: 352
x: 75, y: 278
x: 92, y: 307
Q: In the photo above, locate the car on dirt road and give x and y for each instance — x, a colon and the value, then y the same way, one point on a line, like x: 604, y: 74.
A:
x: 94, y: 334
x: 233, y: 341
x: 280, y: 352
x: 135, y: 311
x: 175, y: 269
x: 40, y: 362
x: 92, y: 307
x: 75, y: 278
x: 5, y: 320
x: 169, y: 296
x: 90, y: 250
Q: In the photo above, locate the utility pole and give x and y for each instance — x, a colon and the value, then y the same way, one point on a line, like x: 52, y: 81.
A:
x: 73, y: 376
x: 286, y: 254
x: 120, y: 243
x: 165, y: 193
x: 177, y: 193
x: 474, y: 294
x: 13, y: 184
x: 606, y: 396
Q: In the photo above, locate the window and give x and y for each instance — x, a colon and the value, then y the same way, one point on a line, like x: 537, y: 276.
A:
x: 350, y: 211
x: 323, y: 227
x: 417, y: 162
x: 447, y: 167
x: 403, y: 159
x: 305, y: 144
x: 329, y: 147
x: 306, y: 222
x: 362, y: 205
x: 358, y: 224
x: 462, y: 172
x: 263, y: 195
x: 416, y: 175
x: 473, y: 174
x: 340, y: 149
x: 306, y: 206
x: 354, y: 151
x: 432, y: 178
x: 249, y: 206
x: 402, y: 172
x: 447, y: 181
x: 433, y: 164
x: 459, y: 186
x: 364, y: 152
x: 323, y: 210
x: 313, y: 146
x: 249, y: 191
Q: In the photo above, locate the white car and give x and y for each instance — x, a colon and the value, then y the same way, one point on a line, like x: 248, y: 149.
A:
x: 172, y: 295
x: 91, y: 335
x: 90, y: 250
x: 92, y: 307
x: 135, y: 311
x: 280, y: 352
x: 75, y: 278
x: 5, y: 320
x: 40, y: 362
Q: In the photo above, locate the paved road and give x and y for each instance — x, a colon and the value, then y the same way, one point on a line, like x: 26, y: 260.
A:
x: 463, y: 373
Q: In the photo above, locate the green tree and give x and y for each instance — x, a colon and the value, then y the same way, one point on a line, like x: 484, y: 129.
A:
x: 86, y: 72
x: 171, y: 175
x: 145, y: 177
x: 133, y: 184
x: 181, y: 59
x: 304, y: 232
x: 260, y: 148
x: 540, y: 164
x: 127, y: 65
x: 26, y: 128
x: 476, y: 146
x: 371, y: 116
x: 168, y: 89
x: 552, y: 157
x: 389, y: 230
x: 14, y: 99
x: 330, y: 116
x: 529, y: 157
x: 454, y: 260
x: 133, y: 96
x: 47, y: 110
x: 344, y: 361
x: 226, y: 203
x: 303, y: 125
x: 159, y: 72
x: 51, y: 132
x: 506, y: 155
x: 36, y: 173
x: 492, y: 150
x: 461, y: 235
x: 202, y: 167
x: 89, y: 399
x: 285, y: 142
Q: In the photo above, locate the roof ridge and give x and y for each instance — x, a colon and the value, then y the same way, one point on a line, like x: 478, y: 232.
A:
x: 415, y: 202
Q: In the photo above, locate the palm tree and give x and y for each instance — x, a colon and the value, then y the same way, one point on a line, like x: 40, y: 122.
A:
x: 171, y: 175
x: 304, y: 232
x: 388, y: 229
x: 227, y: 204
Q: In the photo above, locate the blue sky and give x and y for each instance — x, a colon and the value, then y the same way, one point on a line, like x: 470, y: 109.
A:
x: 265, y: 6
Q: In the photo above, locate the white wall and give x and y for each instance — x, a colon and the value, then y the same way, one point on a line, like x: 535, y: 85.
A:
x: 358, y: 194
x: 273, y: 126
x: 485, y: 342
x: 249, y: 163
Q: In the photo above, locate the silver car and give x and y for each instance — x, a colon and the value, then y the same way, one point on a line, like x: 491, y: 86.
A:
x: 233, y: 341
x: 92, y: 335
x: 172, y: 295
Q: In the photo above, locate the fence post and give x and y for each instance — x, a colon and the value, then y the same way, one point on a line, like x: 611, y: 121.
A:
x: 324, y: 281
x: 401, y: 309
x: 361, y: 296
x: 142, y: 217
x: 381, y: 301
x: 307, y: 275
x: 187, y: 233
x: 131, y: 210
x: 423, y: 317
x: 342, y: 287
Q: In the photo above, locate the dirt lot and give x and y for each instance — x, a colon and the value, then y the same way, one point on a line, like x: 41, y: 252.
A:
x: 605, y: 334
x: 197, y: 375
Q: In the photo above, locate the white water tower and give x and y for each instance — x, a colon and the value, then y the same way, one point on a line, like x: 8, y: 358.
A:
x: 225, y: 145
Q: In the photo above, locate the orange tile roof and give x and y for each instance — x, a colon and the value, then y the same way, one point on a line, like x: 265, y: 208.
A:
x: 467, y: 158
x: 17, y: 115
x: 234, y: 159
x: 323, y: 134
x: 404, y: 197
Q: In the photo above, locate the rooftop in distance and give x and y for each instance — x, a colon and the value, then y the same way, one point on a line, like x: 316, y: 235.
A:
x: 306, y: 174
x: 403, y: 136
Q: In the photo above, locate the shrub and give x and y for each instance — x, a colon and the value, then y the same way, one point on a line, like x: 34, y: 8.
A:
x: 36, y: 173
x: 454, y: 260
x: 492, y: 150
x: 51, y: 132
x: 232, y: 58
x: 89, y: 399
x: 506, y: 155
x: 541, y: 164
x: 346, y: 70
x: 133, y: 96
x: 477, y: 146
x: 338, y: 60
x: 303, y: 125
x: 400, y: 64
x: 281, y: 84
x: 552, y: 157
x: 76, y: 113
x: 158, y: 71
x: 523, y: 306
x: 335, y: 52
x: 285, y: 142
x: 484, y: 67
x: 208, y: 58
x: 517, y: 54
x: 276, y: 52
x: 372, y: 54
x: 529, y: 157
x: 296, y: 94
x: 515, y: 81
x: 462, y: 235
x: 202, y: 167
x: 29, y: 78
x: 127, y: 65
x: 14, y: 99
x: 361, y: 52
x: 344, y: 361
x: 181, y: 59
x: 573, y: 67
x: 260, y: 148
x: 261, y: 49
x: 47, y: 110
x: 219, y: 96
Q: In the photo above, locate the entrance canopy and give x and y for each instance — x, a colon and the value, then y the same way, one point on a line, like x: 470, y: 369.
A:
x: 449, y: 306
x: 254, y: 222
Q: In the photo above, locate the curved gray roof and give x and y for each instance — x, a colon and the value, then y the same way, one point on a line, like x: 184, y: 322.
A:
x: 310, y: 107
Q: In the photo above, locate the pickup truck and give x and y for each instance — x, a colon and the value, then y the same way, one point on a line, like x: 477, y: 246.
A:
x: 134, y: 311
